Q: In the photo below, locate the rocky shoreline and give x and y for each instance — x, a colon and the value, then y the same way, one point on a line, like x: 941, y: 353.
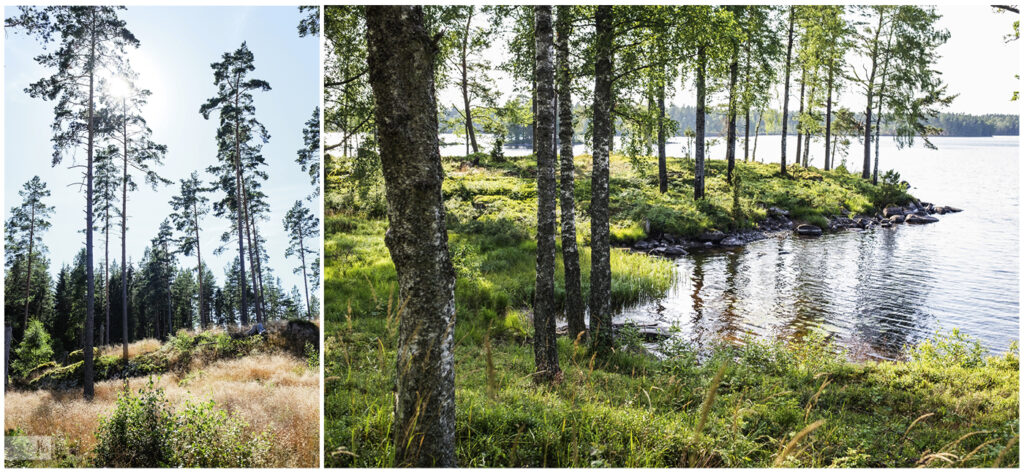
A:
x: 778, y: 222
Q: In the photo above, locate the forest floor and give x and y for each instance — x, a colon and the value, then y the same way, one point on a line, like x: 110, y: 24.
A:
x: 752, y: 405
x: 259, y: 390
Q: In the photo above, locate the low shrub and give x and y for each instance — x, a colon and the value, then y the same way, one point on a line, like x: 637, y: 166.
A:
x: 143, y: 432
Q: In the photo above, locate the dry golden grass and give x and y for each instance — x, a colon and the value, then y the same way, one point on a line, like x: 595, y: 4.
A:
x: 136, y: 348
x: 274, y: 393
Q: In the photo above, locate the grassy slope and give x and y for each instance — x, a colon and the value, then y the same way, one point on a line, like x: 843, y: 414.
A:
x: 630, y: 410
x: 270, y: 390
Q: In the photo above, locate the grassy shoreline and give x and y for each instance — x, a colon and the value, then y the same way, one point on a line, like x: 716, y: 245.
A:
x: 633, y: 410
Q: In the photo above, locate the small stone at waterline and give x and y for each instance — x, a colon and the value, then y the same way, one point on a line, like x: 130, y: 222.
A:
x: 808, y: 230
x: 915, y: 219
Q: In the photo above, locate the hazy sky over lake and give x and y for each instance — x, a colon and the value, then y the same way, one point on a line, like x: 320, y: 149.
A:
x: 977, y: 63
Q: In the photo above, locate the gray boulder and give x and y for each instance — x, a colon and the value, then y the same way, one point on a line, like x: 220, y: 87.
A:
x: 921, y: 219
x: 733, y: 241
x: 892, y: 211
x: 808, y: 230
x: 712, y: 236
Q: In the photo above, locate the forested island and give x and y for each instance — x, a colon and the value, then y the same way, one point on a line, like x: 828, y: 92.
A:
x: 766, y: 122
x: 470, y: 299
x: 156, y: 360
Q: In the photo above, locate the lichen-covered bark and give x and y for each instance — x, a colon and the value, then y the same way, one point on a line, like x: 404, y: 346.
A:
x: 545, y: 346
x: 600, y: 259
x: 698, y: 173
x: 400, y: 57
x: 570, y: 252
x: 785, y: 93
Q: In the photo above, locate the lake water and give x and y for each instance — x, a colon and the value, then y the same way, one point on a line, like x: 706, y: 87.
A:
x: 875, y: 291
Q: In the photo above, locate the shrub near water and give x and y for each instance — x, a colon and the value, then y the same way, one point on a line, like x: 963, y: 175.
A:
x: 144, y: 432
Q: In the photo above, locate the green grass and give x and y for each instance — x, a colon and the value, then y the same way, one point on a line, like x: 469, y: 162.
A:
x: 629, y: 409
x: 632, y: 411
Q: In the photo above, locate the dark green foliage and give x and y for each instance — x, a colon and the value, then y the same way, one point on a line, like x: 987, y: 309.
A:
x: 138, y: 432
x: 33, y: 351
x: 144, y: 431
x: 890, y: 191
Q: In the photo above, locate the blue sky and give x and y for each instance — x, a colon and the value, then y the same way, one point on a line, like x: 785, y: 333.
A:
x: 173, y: 61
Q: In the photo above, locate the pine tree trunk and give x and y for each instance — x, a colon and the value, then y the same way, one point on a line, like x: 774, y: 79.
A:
x: 698, y: 173
x: 305, y: 280
x: 90, y: 315
x: 124, y: 234
x: 199, y: 266
x: 603, y: 133
x: 545, y: 343
x: 261, y: 300
x: 574, y: 310
x: 106, y: 266
x: 785, y: 93
x: 28, y: 272
x: 239, y: 200
x: 406, y: 117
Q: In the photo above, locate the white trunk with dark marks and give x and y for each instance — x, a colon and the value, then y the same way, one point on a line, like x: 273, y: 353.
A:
x: 574, y: 309
x: 406, y: 117
x: 545, y: 344
x: 785, y: 93
x: 603, y: 131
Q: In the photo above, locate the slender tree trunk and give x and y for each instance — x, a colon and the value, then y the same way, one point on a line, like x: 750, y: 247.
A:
x: 252, y: 254
x: 106, y: 264
x: 881, y: 103
x: 90, y: 314
x: 170, y: 304
x: 260, y: 296
x: 545, y: 343
x: 305, y: 279
x: 124, y: 234
x: 603, y: 132
x: 785, y: 93
x: 406, y: 116
x: 730, y: 134
x: 757, y: 133
x: 866, y: 171
x: 799, y: 116
x: 465, y: 87
x: 239, y: 212
x: 807, y: 135
x: 28, y: 272
x: 698, y: 173
x: 662, y: 160
x: 828, y: 122
x: 199, y: 266
x: 746, y: 104
x: 574, y: 309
